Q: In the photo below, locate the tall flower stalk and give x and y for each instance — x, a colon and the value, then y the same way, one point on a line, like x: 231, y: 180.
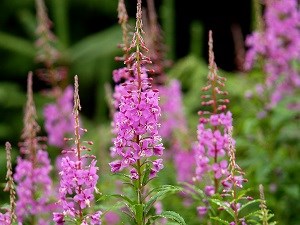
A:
x: 213, y: 128
x: 137, y: 144
x: 173, y: 129
x: 264, y: 215
x: 58, y: 115
x: 232, y: 183
x: 78, y: 177
x: 34, y: 185
x: 47, y: 50
x: 9, y: 217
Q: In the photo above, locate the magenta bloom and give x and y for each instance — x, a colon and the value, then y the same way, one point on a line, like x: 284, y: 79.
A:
x: 5, y: 218
x: 58, y: 118
x: 33, y: 179
x: 112, y: 218
x: 185, y: 165
x: 172, y: 119
x: 136, y: 126
x: 74, y: 174
x: 213, y: 144
x: 278, y: 44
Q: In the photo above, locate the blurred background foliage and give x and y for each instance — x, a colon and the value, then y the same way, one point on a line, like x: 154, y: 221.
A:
x: 88, y: 34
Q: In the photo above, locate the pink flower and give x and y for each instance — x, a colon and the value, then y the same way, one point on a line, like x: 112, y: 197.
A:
x: 29, y: 177
x: 136, y: 126
x: 202, y: 210
x: 58, y: 218
x: 278, y: 43
x: 58, y: 118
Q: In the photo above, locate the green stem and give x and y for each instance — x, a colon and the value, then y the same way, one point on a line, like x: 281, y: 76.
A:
x: 61, y: 20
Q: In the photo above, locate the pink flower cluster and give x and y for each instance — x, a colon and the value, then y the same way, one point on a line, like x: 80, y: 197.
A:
x: 185, y: 164
x: 58, y: 118
x: 136, y: 126
x: 172, y: 118
x: 213, y: 144
x: 78, y: 177
x: 5, y: 218
x: 34, y: 187
x: 77, y: 186
x: 278, y: 44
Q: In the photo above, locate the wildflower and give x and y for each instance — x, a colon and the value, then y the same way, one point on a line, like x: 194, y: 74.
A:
x: 212, y: 129
x: 112, y: 218
x: 233, y: 182
x: 137, y: 126
x: 185, y: 163
x: 46, y: 45
x: 5, y: 218
x: 78, y: 179
x: 58, y: 118
x: 172, y: 119
x: 32, y: 170
x: 277, y: 44
x: 9, y: 216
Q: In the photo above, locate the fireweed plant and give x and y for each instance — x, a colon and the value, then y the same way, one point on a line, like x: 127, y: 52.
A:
x: 212, y: 133
x: 218, y: 180
x: 58, y: 116
x: 47, y: 52
x: 173, y: 129
x: 9, y: 216
x: 275, y: 46
x: 273, y: 58
x: 137, y: 143
x: 32, y: 174
x: 78, y: 178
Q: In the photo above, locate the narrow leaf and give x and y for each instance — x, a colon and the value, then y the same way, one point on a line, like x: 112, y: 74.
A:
x: 224, y: 206
x: 16, y: 44
x: 220, y: 220
x: 103, y: 197
x: 249, y: 203
x: 169, y: 215
x: 97, y: 45
x: 162, y: 192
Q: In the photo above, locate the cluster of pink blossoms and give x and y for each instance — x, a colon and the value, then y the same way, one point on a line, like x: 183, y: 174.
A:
x: 77, y: 186
x: 5, y: 218
x: 58, y: 118
x: 215, y: 122
x: 136, y: 126
x: 172, y: 118
x: 32, y: 177
x: 278, y: 43
x: 78, y: 177
x: 212, y: 145
x: 174, y: 129
x: 185, y: 163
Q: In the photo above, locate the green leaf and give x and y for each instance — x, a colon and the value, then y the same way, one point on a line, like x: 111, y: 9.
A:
x: 220, y: 220
x: 97, y: 45
x: 161, y: 192
x: 16, y: 44
x: 104, y: 197
x: 60, y: 11
x: 169, y: 215
x: 194, y: 188
x: 224, y: 206
x: 122, y: 176
x: 165, y: 187
x: 249, y: 203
